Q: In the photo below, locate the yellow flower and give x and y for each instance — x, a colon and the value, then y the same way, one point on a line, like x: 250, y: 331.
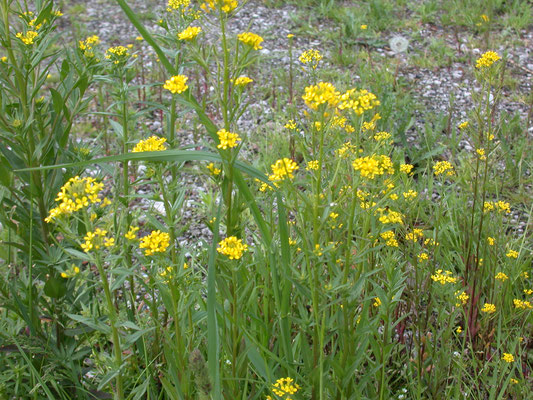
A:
x: 461, y: 298
x: 285, y: 387
x: 443, y: 277
x: 291, y: 125
x: 323, y: 93
x: 377, y: 302
x: 488, y: 308
x: 422, y: 257
x: 409, y: 195
x: 406, y: 168
x: 363, y: 27
x: 373, y: 165
x: 153, y: 143
x: 3, y: 59
x: 442, y: 167
x: 176, y: 84
x: 95, y: 240
x: 251, y: 39
x: 190, y: 33
x: 243, y: 81
x: 491, y: 241
x: 117, y: 54
x: 28, y: 37
x: 232, y: 247
x: 155, y: 242
x: 459, y: 329
x: 312, y: 57
x: 512, y: 254
x: 381, y: 136
x: 481, y: 154
x: 76, y: 194
x: 227, y: 139
x: 131, y: 234
x: 463, y: 125
x: 528, y: 291
x: 283, y: 169
x: 392, y: 217
x: 176, y: 4
x: 507, y: 357
x: 358, y: 101
x: 312, y: 165
x: 390, y: 238
x: 485, y: 17
x: 523, y: 304
x: 501, y: 276
x: 215, y: 171
x: 487, y: 59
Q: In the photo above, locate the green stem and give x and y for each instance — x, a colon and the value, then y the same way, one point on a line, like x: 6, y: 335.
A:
x: 119, y: 393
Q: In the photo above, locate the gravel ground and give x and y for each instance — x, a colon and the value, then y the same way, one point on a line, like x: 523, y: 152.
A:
x: 431, y: 87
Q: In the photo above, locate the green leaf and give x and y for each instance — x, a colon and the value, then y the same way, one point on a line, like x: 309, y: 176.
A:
x: 55, y: 287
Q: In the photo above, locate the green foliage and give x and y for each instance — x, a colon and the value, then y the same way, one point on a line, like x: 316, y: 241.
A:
x: 337, y: 261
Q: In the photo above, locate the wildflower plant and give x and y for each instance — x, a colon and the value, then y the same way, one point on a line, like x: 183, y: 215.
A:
x: 338, y: 264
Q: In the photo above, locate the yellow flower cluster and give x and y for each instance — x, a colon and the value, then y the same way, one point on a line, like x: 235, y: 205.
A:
x: 377, y: 302
x: 284, y: 387
x: 176, y: 84
x: 381, y: 136
x: 117, y: 54
x: 132, y: 233
x: 392, y: 217
x: 291, y: 125
x: 443, y: 277
x: 251, y: 39
x: 463, y: 125
x: 225, y: 5
x: 28, y: 37
x: 88, y: 44
x: 501, y: 276
x: 415, y: 235
x: 177, y: 4
x: 243, y: 81
x: 507, y: 357
x: 76, y: 194
x: 487, y: 59
x: 488, y: 308
x: 312, y: 165
x: 442, y: 167
x: 523, y: 304
x: 512, y: 254
x: 461, y: 298
x: 190, y: 33
x: 406, y: 168
x: 323, y: 93
x: 422, y: 257
x: 500, y: 206
x: 410, y: 194
x: 481, y: 154
x: 153, y: 143
x: 390, y: 238
x: 227, y: 139
x: 155, y: 242
x: 373, y: 165
x: 283, y: 169
x: 95, y: 240
x: 214, y: 170
x: 311, y: 56
x: 358, y: 101
x: 232, y: 247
